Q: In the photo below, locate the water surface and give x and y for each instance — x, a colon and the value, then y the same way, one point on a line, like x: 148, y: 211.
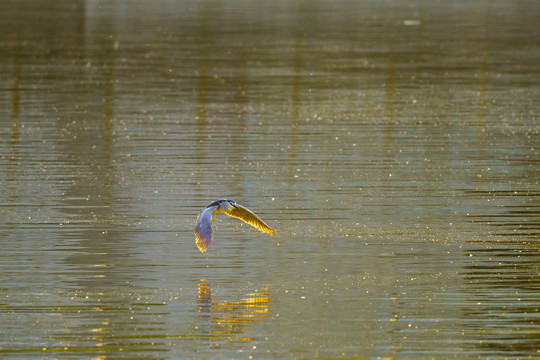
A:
x: 392, y: 146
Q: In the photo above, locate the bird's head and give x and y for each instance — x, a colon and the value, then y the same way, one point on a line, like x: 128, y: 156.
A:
x: 225, y: 205
x: 228, y: 205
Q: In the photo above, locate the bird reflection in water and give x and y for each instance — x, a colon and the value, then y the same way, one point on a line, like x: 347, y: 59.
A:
x: 227, y: 320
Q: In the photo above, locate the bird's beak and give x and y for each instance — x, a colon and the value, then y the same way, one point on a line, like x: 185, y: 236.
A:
x: 234, y: 205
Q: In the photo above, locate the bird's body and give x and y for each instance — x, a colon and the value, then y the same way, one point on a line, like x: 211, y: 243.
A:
x: 203, y: 228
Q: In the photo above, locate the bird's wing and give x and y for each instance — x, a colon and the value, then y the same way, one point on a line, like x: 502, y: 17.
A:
x: 203, y: 228
x: 249, y: 217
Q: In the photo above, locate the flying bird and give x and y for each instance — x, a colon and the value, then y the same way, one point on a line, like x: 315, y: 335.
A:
x: 203, y: 228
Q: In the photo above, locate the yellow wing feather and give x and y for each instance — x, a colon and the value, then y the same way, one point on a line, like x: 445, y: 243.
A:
x: 249, y: 217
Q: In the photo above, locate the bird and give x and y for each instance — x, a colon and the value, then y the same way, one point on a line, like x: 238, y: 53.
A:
x: 203, y: 228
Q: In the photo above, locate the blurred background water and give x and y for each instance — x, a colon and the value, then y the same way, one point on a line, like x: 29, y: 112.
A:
x: 392, y: 145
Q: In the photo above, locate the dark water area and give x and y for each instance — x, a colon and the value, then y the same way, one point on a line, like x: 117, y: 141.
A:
x: 393, y: 146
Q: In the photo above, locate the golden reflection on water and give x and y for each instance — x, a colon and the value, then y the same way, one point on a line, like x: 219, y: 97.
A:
x: 230, y: 318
